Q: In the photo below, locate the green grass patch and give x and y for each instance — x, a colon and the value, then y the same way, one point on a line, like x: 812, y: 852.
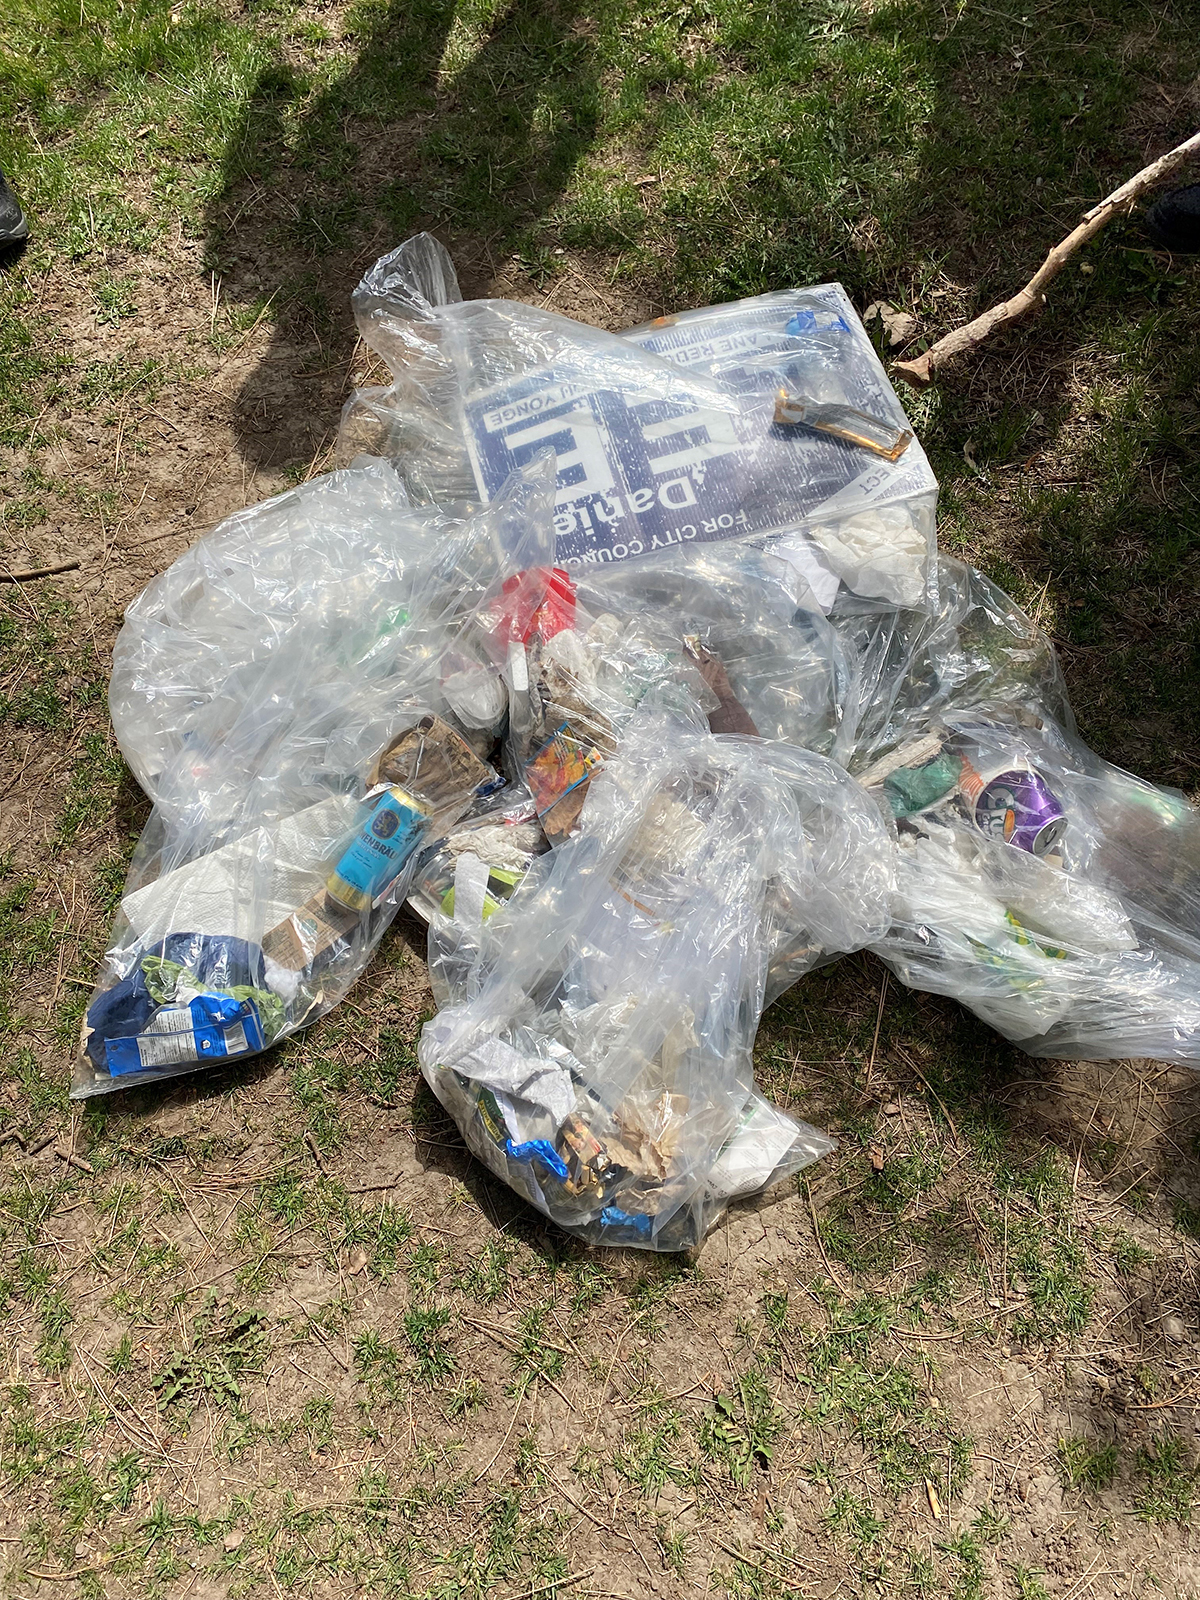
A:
x: 225, y: 1347
x: 1168, y: 1476
x: 1087, y: 1465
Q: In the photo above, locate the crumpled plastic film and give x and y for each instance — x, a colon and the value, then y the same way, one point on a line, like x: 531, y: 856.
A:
x: 780, y: 665
x: 595, y: 1036
x: 837, y: 506
x: 726, y: 627
x: 1049, y: 891
x: 1052, y: 893
x: 294, y: 805
x: 330, y: 570
x: 480, y: 386
x: 628, y: 661
x: 670, y: 434
x: 906, y: 665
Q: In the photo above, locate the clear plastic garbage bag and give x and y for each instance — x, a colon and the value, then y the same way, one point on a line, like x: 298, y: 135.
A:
x: 1054, y: 894
x: 727, y: 627
x: 904, y: 666
x: 825, y: 451
x: 324, y: 579
x: 755, y: 631
x: 770, y: 418
x: 596, y: 1030
x: 322, y: 752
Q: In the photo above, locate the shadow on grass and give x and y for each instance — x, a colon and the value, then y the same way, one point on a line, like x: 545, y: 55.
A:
x: 436, y: 122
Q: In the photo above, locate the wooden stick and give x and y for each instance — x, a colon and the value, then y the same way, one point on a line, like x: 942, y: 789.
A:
x: 1032, y: 297
x: 24, y: 577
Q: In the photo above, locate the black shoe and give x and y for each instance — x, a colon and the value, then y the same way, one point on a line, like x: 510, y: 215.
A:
x: 1174, y: 221
x: 13, y: 226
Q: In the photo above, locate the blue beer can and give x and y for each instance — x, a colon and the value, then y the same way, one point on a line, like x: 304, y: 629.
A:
x: 383, y: 844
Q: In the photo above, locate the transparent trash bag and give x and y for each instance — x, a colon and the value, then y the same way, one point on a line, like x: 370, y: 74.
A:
x: 324, y: 579
x: 290, y: 819
x: 903, y: 667
x: 824, y: 450
x: 769, y: 419
x: 725, y: 627
x: 480, y: 863
x: 481, y: 386
x: 1054, y: 894
x: 595, y: 1036
x: 752, y: 627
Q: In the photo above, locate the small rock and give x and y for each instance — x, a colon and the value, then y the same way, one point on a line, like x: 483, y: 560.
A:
x: 1174, y: 1328
x: 356, y: 1261
x: 81, y: 1549
x: 891, y: 1109
x: 876, y: 1155
x: 233, y: 1539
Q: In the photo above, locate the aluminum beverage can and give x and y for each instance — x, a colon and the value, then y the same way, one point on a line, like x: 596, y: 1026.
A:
x: 378, y: 851
x: 1019, y: 807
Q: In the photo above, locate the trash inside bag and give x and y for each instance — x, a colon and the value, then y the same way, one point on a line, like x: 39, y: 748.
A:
x: 770, y: 419
x: 338, y: 580
x: 726, y: 627
x: 1055, y: 895
x: 595, y: 1036
x: 630, y: 664
x: 323, y: 745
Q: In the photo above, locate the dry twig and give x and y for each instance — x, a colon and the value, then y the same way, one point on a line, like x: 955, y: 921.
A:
x: 1032, y: 297
x: 39, y: 572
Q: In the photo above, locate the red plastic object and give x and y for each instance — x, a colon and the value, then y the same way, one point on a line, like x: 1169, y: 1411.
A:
x: 539, y: 600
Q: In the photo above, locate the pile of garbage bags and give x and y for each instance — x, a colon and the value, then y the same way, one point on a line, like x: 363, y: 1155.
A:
x: 630, y: 663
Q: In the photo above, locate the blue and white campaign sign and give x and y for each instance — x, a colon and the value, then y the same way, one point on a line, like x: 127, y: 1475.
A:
x: 634, y: 475
x: 638, y: 472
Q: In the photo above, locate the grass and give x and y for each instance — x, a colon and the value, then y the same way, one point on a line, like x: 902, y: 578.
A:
x: 225, y: 1345
x: 1085, y: 1465
x: 426, y: 1392
x: 1168, y: 1480
x: 742, y: 1429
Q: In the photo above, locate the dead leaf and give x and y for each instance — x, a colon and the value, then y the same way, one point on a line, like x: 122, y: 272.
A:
x: 876, y: 1155
x: 900, y: 326
x: 233, y: 1539
x: 357, y: 1261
